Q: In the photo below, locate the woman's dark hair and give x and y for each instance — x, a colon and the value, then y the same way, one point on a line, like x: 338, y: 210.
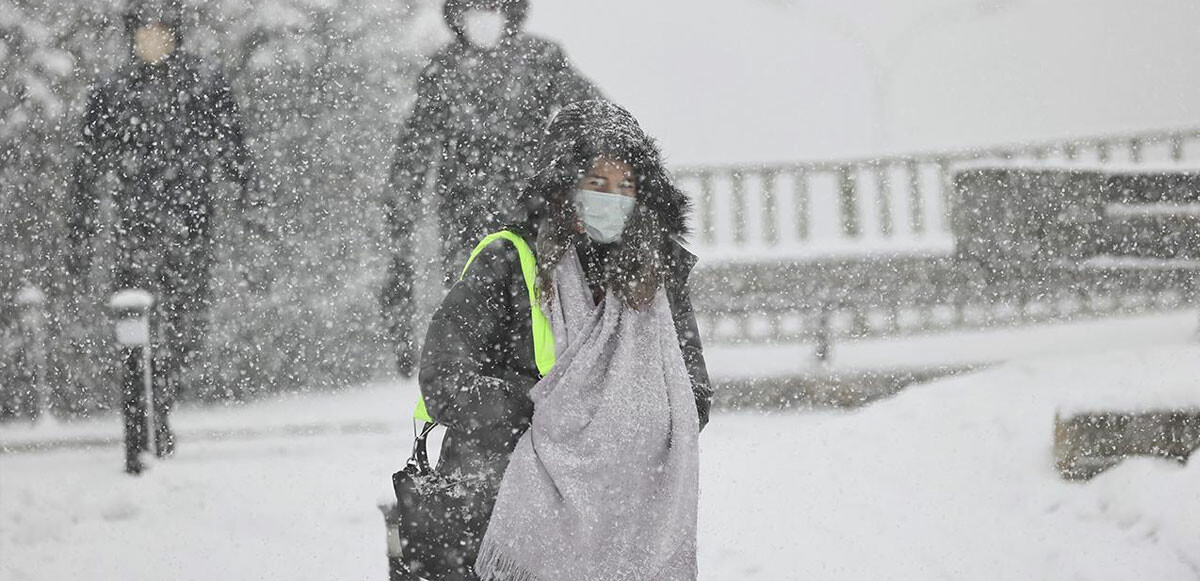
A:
x: 577, y: 136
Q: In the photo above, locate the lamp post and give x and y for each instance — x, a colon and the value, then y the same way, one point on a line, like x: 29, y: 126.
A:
x: 131, y: 313
x: 32, y: 320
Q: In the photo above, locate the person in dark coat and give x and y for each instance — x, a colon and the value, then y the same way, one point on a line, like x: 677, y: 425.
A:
x: 159, y: 132
x: 478, y: 364
x: 481, y: 103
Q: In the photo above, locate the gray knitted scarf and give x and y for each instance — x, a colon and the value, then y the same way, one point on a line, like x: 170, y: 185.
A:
x: 604, y: 484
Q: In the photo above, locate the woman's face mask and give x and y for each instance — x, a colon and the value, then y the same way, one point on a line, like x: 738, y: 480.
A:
x: 604, y: 215
x: 484, y: 28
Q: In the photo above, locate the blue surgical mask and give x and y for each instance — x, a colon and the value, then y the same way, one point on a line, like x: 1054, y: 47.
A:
x: 604, y: 215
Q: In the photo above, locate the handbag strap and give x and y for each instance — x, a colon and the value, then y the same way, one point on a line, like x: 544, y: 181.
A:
x: 420, y: 453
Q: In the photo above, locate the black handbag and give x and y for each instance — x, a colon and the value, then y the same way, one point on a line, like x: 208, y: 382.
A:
x: 440, y: 528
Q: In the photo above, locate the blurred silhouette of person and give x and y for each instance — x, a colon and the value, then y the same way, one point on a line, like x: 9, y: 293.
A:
x: 481, y: 104
x: 164, y: 125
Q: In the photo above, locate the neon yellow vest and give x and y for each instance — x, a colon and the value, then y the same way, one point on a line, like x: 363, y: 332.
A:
x: 543, y: 335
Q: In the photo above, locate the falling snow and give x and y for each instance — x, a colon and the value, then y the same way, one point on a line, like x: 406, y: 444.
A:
x: 931, y: 240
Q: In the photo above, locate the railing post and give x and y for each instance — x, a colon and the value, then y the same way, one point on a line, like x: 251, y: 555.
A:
x: 1135, y: 150
x: 916, y: 205
x: 1176, y: 148
x: 823, y: 350
x: 770, y: 216
x: 801, y: 205
x: 884, y: 199
x: 1192, y: 295
x: 708, y: 229
x: 946, y: 181
x: 738, y: 205
x: 849, y: 202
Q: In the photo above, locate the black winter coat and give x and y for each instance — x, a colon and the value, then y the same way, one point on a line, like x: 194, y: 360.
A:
x: 477, y: 120
x: 478, y: 366
x: 163, y: 132
x: 475, y: 126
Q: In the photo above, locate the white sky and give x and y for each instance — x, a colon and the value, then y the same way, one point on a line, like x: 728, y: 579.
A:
x: 725, y: 81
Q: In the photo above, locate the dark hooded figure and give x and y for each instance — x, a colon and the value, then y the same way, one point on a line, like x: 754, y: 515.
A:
x: 478, y: 364
x: 155, y: 136
x: 481, y: 103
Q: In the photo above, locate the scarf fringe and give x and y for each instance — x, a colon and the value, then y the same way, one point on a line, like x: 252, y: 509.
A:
x: 493, y: 564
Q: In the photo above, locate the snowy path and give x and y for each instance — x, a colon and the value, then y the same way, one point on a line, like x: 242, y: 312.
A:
x: 378, y: 409
x: 947, y: 481
x: 959, y: 348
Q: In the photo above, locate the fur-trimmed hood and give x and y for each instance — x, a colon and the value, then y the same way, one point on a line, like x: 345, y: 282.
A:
x: 578, y: 134
x: 641, y: 259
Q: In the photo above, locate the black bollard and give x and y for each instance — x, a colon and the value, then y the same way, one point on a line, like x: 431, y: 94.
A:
x: 31, y: 358
x: 391, y: 520
x: 131, y: 312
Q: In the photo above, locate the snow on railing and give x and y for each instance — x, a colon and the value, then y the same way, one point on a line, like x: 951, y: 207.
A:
x: 897, y: 205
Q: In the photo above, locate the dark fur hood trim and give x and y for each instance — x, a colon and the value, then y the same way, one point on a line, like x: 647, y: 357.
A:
x: 582, y: 131
x: 639, y: 262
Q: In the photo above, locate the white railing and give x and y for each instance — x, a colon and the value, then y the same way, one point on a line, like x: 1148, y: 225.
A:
x: 890, y: 205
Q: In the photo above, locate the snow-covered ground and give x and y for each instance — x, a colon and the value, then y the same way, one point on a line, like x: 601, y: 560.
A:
x: 375, y: 410
x: 957, y: 349
x: 952, y: 480
x: 955, y: 480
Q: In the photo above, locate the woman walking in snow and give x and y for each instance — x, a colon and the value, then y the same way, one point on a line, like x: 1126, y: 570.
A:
x: 574, y: 389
